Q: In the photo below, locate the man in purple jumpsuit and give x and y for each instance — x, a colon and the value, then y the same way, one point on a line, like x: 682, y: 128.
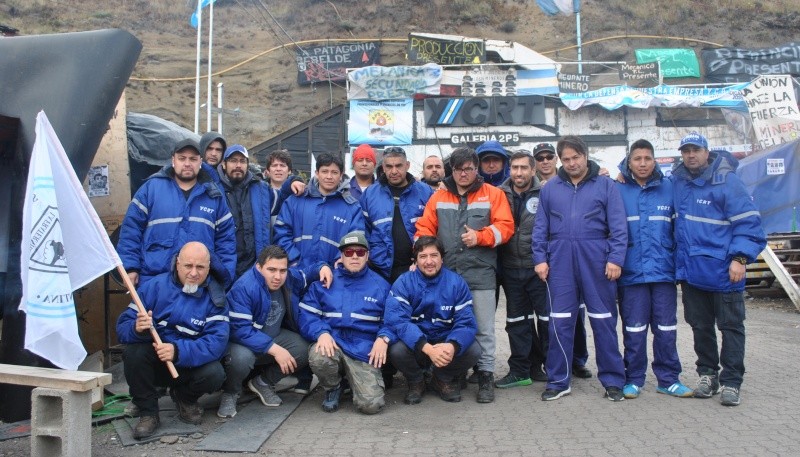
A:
x: 579, y: 238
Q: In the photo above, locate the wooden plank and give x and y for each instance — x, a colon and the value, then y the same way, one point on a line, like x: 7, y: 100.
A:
x: 783, y: 276
x: 77, y: 381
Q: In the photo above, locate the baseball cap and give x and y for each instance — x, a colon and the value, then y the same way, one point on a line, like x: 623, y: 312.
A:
x: 543, y: 147
x: 233, y: 149
x: 353, y: 238
x: 694, y: 139
x: 187, y: 144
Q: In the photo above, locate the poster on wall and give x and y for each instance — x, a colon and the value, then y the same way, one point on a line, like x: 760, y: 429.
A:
x: 98, y: 181
x: 490, y: 82
x: 384, y: 83
x: 773, y: 110
x: 330, y: 62
x: 742, y: 64
x: 384, y: 122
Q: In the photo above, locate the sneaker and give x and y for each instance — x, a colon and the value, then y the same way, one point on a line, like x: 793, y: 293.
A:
x: 265, y: 392
x: 707, y: 386
x: 473, y: 378
x: 448, y: 391
x: 676, y: 390
x: 580, y: 371
x: 146, y: 426
x: 511, y: 380
x: 538, y: 374
x: 730, y: 396
x: 614, y: 394
x: 191, y: 413
x: 631, y: 391
x: 555, y: 394
x: 303, y: 387
x: 415, y: 391
x: 331, y: 402
x: 227, y: 405
x: 485, y: 387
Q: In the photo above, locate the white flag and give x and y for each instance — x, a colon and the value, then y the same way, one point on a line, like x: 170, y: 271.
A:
x: 64, y: 247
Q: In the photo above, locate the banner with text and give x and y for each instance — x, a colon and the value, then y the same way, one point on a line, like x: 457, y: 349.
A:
x: 773, y: 109
x: 384, y: 83
x: 675, y: 63
x: 329, y: 62
x: 424, y: 48
x: 639, y: 74
x: 571, y: 83
x: 612, y: 98
x: 386, y: 122
x: 738, y: 64
x: 481, y: 82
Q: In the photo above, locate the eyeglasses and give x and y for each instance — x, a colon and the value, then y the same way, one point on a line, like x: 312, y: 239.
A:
x: 462, y: 171
x: 350, y: 252
x: 543, y: 158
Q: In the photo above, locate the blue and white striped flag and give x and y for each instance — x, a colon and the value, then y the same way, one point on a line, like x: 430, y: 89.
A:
x: 203, y: 4
x: 64, y: 247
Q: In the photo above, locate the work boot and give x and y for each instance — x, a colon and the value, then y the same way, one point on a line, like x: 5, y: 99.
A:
x: 415, y: 391
x: 146, y: 426
x: 331, y: 401
x: 448, y: 391
x: 485, y: 387
x: 189, y: 412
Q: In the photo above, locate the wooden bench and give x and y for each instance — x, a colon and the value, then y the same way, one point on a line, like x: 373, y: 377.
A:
x: 61, y: 407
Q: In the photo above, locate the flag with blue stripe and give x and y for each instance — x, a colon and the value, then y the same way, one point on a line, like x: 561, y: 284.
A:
x: 203, y: 4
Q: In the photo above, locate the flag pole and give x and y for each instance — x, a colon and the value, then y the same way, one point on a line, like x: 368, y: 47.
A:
x: 140, y: 306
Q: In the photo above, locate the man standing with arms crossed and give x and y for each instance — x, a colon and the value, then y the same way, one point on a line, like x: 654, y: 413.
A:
x: 579, y: 241
x: 718, y: 231
x: 472, y: 218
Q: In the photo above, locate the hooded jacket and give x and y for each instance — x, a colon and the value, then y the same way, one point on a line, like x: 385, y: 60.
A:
x: 483, y: 208
x: 378, y: 205
x: 205, y: 140
x: 192, y: 322
x: 716, y: 221
x: 433, y: 310
x: 496, y: 148
x: 160, y: 220
x: 517, y: 252
x: 250, y: 302
x: 589, y: 212
x: 650, y: 213
x: 310, y: 226
x: 351, y: 311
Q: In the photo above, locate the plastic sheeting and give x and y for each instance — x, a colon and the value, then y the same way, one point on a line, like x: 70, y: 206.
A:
x: 773, y: 179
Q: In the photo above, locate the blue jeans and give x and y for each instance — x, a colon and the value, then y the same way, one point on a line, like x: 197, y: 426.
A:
x: 702, y: 309
x: 240, y: 361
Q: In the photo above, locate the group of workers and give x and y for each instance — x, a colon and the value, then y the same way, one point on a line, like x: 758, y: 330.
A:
x: 250, y: 279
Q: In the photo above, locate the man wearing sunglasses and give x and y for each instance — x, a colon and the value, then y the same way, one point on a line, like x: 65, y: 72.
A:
x: 546, y: 169
x: 472, y: 218
x: 345, y: 322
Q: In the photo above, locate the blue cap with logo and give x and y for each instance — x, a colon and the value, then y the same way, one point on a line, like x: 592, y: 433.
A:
x: 233, y: 149
x: 694, y: 139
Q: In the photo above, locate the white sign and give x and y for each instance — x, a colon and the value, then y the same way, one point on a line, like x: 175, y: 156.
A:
x: 773, y: 109
x: 775, y: 167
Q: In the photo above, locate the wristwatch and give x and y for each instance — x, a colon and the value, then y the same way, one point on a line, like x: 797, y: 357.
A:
x: 741, y: 259
x: 385, y: 339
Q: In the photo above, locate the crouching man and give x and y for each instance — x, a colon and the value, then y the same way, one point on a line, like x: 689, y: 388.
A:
x: 430, y: 311
x: 346, y: 324
x: 194, y: 332
x: 264, y: 306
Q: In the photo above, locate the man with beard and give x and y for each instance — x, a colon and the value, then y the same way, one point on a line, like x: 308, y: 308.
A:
x: 472, y: 218
x: 194, y: 332
x: 213, y: 145
x: 180, y: 203
x: 525, y: 292
x: 430, y: 311
x: 251, y: 203
x: 433, y: 171
x: 579, y: 241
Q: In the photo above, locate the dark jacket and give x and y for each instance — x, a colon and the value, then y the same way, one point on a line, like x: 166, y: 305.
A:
x: 517, y: 252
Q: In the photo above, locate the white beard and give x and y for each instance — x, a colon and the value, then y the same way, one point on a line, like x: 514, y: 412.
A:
x: 190, y: 288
